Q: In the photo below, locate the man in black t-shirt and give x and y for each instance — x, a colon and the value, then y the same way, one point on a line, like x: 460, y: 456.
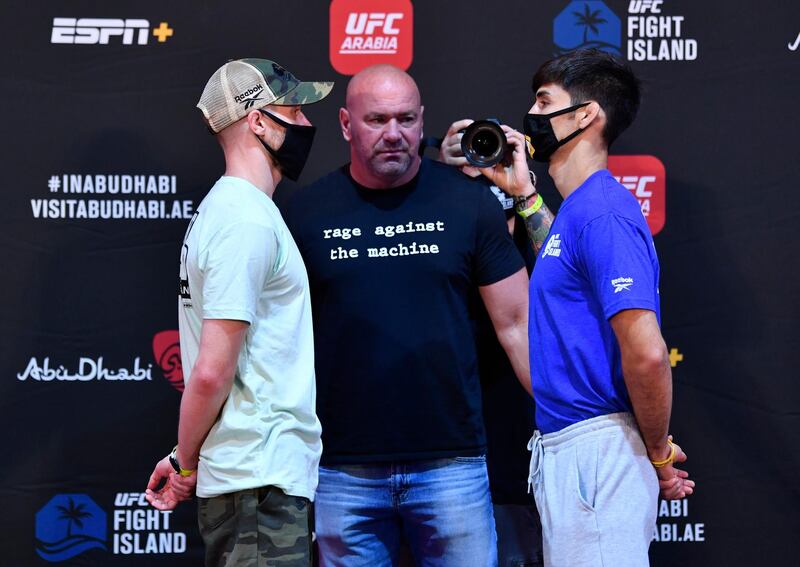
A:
x: 395, y: 246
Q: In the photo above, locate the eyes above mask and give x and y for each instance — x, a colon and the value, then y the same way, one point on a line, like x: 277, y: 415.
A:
x: 539, y: 135
x: 294, y: 150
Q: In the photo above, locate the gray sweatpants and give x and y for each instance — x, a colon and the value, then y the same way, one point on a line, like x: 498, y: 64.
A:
x: 596, y: 492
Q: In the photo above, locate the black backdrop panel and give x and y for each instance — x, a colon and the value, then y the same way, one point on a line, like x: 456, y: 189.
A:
x: 106, y: 157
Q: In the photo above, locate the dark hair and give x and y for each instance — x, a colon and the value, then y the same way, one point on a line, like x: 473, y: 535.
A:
x: 591, y: 74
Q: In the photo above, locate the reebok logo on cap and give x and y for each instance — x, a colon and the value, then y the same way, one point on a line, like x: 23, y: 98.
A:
x: 251, y: 91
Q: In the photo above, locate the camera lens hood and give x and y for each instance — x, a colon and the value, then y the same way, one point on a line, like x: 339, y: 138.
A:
x: 484, y: 143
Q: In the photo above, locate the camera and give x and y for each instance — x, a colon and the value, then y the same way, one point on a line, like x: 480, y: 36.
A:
x: 484, y: 143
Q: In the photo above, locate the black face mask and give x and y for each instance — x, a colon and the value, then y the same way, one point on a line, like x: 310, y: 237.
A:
x: 542, y: 141
x: 294, y: 150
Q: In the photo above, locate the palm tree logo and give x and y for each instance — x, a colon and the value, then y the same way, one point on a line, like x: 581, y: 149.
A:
x: 589, y: 20
x: 68, y: 525
x: 587, y: 24
x: 74, y: 514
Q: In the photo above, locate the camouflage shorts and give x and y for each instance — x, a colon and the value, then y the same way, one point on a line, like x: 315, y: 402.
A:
x: 260, y: 527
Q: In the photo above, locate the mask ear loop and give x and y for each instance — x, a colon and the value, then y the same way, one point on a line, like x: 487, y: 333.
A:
x: 565, y: 111
x: 572, y: 108
x: 568, y: 138
x: 270, y: 151
x: 275, y: 118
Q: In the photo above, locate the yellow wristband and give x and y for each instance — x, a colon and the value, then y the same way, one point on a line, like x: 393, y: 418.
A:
x: 173, y: 460
x: 537, y: 204
x: 668, y: 460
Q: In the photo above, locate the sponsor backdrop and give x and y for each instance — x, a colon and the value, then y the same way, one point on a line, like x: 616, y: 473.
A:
x: 105, y: 159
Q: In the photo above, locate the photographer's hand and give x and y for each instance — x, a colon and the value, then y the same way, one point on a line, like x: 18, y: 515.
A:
x: 514, y: 179
x: 450, y: 151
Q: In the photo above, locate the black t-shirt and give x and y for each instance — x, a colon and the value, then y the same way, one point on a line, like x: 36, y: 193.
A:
x: 391, y: 272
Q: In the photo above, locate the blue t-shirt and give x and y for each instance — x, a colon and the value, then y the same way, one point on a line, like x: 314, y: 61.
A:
x: 599, y: 259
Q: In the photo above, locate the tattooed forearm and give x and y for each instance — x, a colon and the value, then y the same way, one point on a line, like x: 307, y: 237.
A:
x: 538, y: 225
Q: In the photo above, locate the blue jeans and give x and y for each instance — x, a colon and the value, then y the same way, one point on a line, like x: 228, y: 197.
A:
x: 442, y: 507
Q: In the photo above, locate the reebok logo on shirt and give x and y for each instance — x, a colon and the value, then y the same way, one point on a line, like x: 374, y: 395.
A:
x: 553, y: 247
x: 622, y: 284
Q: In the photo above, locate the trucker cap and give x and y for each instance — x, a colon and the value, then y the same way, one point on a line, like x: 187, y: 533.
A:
x: 243, y: 85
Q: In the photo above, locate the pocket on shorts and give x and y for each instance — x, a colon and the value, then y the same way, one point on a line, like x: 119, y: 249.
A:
x: 213, y: 512
x: 273, y: 498
x: 585, y: 466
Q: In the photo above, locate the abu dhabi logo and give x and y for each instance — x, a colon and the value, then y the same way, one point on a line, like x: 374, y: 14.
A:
x: 167, y: 352
x: 68, y: 525
x: 587, y: 24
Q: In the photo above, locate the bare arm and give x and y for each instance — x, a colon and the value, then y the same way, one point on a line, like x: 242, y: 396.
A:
x: 538, y: 224
x: 648, y: 377
x: 206, y: 392
x: 645, y: 366
x: 209, y: 386
x: 506, y: 302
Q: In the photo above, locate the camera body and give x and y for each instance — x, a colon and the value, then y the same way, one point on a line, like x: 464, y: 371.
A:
x: 484, y: 143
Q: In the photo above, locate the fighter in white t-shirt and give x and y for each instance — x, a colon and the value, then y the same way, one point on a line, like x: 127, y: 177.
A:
x: 248, y: 435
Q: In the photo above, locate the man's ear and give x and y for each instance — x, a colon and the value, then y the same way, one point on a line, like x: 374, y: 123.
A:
x: 590, y: 113
x: 421, y: 122
x: 344, y: 122
x: 257, y: 123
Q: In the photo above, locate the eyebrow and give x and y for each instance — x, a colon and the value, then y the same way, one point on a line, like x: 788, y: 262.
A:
x: 541, y: 93
x: 402, y: 114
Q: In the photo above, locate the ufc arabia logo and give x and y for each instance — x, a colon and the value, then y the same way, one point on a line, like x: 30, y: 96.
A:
x: 361, y: 36
x: 644, y: 177
x: 637, y: 184
x: 361, y: 32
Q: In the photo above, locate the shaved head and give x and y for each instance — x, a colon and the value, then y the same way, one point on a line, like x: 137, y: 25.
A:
x: 379, y: 78
x: 382, y: 121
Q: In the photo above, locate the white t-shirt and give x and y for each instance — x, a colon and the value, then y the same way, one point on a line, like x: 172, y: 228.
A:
x: 239, y: 261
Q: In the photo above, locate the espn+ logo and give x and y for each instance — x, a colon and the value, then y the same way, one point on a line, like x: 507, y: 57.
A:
x: 360, y: 36
x: 100, y: 31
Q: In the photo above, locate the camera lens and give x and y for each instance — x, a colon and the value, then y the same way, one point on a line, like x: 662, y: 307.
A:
x: 484, y: 143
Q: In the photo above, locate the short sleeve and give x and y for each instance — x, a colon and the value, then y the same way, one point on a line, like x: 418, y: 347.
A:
x: 496, y: 256
x: 236, y: 264
x: 619, y: 259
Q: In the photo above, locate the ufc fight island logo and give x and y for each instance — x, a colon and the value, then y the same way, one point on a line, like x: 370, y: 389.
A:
x: 364, y: 33
x: 100, y: 31
x: 645, y: 178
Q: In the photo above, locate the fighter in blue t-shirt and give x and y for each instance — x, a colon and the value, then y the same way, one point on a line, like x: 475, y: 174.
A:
x: 599, y: 367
